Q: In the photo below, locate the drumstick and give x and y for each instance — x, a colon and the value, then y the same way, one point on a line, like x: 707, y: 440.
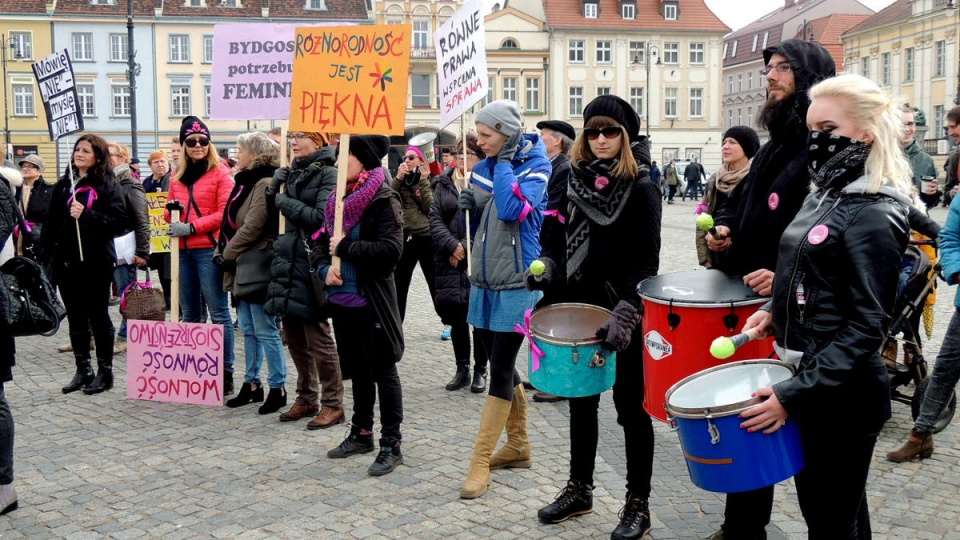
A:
x: 723, y: 347
x: 705, y: 223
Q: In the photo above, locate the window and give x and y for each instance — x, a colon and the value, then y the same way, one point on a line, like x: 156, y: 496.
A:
x: 750, y: 80
x: 576, y: 101
x: 421, y: 90
x: 629, y: 11
x: 509, y: 44
x: 207, y: 49
x: 885, y: 68
x: 421, y: 34
x: 533, y: 94
x: 729, y: 118
x: 670, y: 102
x: 670, y: 12
x: 121, y: 99
x: 636, y: 100
x: 733, y: 53
x: 590, y: 11
x: 101, y: 2
x: 638, y: 52
x: 696, y: 102
x: 118, y: 47
x: 179, y: 49
x: 510, y: 88
x: 180, y: 98
x: 604, y: 52
x: 206, y: 98
x: 766, y: 36
x: 908, y: 64
x: 86, y: 97
x: 195, y: 3
x: 730, y: 84
x: 671, y: 53
x: 739, y: 116
x: 940, y: 58
x: 575, y: 51
x: 749, y: 117
x: 865, y: 66
x: 739, y: 82
x: 939, y: 113
x: 317, y: 4
x: 489, y: 97
x: 603, y: 90
x: 696, y: 53
x: 230, y: 3
x: 23, y: 100
x: 22, y: 45
x: 755, y: 39
x: 82, y: 46
x: 724, y: 51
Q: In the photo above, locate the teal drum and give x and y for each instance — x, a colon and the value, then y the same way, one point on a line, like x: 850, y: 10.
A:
x: 566, y: 358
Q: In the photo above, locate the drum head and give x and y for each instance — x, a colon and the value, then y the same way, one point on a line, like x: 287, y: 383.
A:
x: 726, y: 388
x: 568, y: 322
x: 698, y: 287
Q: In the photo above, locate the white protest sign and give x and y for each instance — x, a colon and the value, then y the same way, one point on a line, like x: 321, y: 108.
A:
x: 461, y: 61
x: 59, y: 94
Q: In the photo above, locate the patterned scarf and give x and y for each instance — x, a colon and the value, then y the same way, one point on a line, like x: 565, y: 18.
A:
x: 728, y: 179
x: 597, y: 197
x: 358, y: 197
x: 833, y: 160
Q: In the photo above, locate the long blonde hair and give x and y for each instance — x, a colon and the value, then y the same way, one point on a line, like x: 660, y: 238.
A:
x: 872, y: 110
x: 213, y: 159
x: 626, y: 168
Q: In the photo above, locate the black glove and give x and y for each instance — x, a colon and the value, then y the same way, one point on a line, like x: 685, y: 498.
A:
x: 467, y: 201
x: 510, y: 147
x: 546, y: 278
x: 279, y: 199
x: 217, y: 260
x: 618, y: 330
x: 279, y: 178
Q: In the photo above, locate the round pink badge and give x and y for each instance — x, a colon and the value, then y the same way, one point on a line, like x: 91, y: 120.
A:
x: 818, y: 234
x: 774, y: 201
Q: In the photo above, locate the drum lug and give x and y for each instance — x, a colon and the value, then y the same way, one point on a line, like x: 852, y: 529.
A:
x: 598, y: 360
x: 673, y: 320
x: 672, y: 422
x: 576, y: 353
x: 731, y: 320
x: 713, y: 431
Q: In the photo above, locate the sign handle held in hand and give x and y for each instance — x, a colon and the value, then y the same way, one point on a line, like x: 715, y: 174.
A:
x: 342, y: 159
x: 175, y: 208
x: 73, y: 197
x: 282, y: 224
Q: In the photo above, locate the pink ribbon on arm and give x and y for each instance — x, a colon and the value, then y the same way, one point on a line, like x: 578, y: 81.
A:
x: 556, y: 214
x: 535, y: 349
x: 526, y: 204
x: 91, y: 197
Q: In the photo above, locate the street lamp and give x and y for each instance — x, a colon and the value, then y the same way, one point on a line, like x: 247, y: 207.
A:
x: 653, y: 51
x: 6, y: 42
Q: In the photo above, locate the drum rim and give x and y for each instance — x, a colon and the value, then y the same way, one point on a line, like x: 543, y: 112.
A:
x: 700, y: 413
x: 565, y: 341
x: 716, y: 304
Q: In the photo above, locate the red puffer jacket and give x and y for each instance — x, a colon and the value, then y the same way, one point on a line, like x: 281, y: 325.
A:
x: 210, y: 193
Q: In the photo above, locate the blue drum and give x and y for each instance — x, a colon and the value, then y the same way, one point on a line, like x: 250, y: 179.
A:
x: 566, y: 358
x: 721, y: 456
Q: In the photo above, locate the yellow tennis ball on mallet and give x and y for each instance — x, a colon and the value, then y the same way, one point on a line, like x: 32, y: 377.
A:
x: 537, y: 267
x: 722, y: 348
x: 705, y: 222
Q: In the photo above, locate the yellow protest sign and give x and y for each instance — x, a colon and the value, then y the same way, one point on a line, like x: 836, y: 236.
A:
x: 350, y: 79
x: 159, y: 229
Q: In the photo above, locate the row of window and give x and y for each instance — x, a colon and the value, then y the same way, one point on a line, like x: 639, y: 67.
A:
x: 603, y: 52
x: 909, y: 64
x: 739, y: 86
x: 732, y: 45
x: 180, y: 99
x: 741, y: 120
x: 179, y: 47
x: 671, y: 101
x: 308, y: 4
x: 628, y: 11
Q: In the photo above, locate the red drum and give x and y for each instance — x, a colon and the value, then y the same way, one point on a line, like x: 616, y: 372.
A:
x: 683, y: 313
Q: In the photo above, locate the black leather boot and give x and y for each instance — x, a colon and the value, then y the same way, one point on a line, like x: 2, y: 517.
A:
x: 83, y: 376
x: 276, y: 400
x: 104, y: 379
x: 574, y: 500
x: 460, y: 379
x: 634, y: 519
x: 246, y: 396
x: 479, y: 385
x: 227, y: 383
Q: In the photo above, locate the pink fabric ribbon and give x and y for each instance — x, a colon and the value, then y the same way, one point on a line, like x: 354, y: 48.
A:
x: 91, y: 196
x: 29, y: 228
x: 535, y: 351
x: 526, y: 204
x: 317, y: 234
x: 229, y: 204
x: 556, y: 214
x: 139, y: 285
x: 701, y: 208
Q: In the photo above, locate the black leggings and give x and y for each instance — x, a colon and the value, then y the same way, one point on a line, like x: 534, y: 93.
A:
x: 503, y: 348
x: 86, y: 295
x: 416, y: 249
x: 456, y: 316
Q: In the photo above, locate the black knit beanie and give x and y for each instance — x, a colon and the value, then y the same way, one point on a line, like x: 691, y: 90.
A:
x: 747, y: 138
x: 614, y: 107
x: 192, y: 125
x: 369, y: 150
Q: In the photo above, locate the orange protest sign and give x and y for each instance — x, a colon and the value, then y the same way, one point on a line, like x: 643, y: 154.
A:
x: 350, y: 79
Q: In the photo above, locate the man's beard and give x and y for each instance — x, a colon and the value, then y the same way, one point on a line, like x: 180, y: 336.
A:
x: 775, y: 112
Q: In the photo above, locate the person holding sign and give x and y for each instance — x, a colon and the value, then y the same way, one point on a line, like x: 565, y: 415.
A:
x: 247, y: 232
x: 363, y: 298
x: 506, y: 205
x: 88, y: 199
x: 202, y: 184
x: 610, y: 203
x: 159, y: 182
x: 290, y: 295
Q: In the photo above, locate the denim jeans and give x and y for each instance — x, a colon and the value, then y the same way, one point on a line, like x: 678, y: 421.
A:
x: 201, y: 280
x: 124, y: 275
x: 943, y: 380
x: 6, y: 440
x: 261, y: 336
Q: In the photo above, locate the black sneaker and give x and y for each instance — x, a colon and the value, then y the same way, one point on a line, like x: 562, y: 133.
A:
x: 634, y: 520
x: 387, y: 460
x: 575, y: 499
x: 355, y: 443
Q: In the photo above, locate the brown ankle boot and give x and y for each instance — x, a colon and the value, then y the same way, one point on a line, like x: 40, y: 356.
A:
x: 920, y: 443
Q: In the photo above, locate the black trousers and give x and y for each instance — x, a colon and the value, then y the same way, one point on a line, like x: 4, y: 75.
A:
x: 502, y: 348
x: 373, y: 375
x: 85, y: 290
x: 456, y: 316
x: 748, y: 513
x: 417, y: 249
x: 636, y: 423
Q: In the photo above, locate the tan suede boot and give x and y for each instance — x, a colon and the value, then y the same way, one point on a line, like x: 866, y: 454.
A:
x: 495, y: 413
x: 516, y: 452
x: 920, y: 443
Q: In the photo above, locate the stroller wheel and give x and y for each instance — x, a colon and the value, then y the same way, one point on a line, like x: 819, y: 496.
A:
x: 946, y: 416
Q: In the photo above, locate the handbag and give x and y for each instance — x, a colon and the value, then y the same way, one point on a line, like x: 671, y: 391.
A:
x: 28, y: 304
x: 142, y: 302
x: 319, y: 287
x: 252, y: 276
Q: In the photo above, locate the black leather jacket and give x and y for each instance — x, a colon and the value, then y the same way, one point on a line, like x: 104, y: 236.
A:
x: 837, y: 275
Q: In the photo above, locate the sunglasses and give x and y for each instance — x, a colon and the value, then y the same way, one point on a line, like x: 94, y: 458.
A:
x: 611, y: 132
x: 193, y: 143
x: 410, y: 157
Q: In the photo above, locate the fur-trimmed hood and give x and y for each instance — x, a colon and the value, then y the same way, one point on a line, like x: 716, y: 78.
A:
x: 13, y: 177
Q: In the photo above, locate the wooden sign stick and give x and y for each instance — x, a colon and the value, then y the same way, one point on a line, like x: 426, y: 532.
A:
x: 73, y: 197
x: 174, y: 207
x: 282, y: 226
x: 342, y: 159
x: 466, y: 184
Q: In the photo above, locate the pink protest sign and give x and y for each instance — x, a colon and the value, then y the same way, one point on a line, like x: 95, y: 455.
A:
x: 175, y: 362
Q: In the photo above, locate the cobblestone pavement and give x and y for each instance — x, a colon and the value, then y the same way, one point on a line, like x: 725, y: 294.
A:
x: 107, y: 467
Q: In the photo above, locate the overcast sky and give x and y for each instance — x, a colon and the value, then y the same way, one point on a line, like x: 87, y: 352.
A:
x: 734, y: 14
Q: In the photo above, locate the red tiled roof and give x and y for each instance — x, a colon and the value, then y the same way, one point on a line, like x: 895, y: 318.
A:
x: 24, y: 7
x: 775, y: 18
x: 897, y: 12
x: 694, y: 16
x: 141, y: 8
x: 352, y: 10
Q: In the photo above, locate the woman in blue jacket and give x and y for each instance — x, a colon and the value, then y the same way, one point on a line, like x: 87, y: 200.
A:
x: 506, y: 203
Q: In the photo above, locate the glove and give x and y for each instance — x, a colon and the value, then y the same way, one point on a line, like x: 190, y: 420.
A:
x: 181, y: 229
x: 217, y: 260
x: 279, y: 177
x: 467, y: 201
x: 510, y: 147
x: 618, y: 330
x: 546, y: 278
x: 279, y: 199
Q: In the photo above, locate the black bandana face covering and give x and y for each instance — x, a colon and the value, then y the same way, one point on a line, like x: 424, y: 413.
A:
x: 834, y: 160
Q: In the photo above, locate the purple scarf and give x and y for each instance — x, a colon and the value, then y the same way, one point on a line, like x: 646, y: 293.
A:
x: 355, y: 202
